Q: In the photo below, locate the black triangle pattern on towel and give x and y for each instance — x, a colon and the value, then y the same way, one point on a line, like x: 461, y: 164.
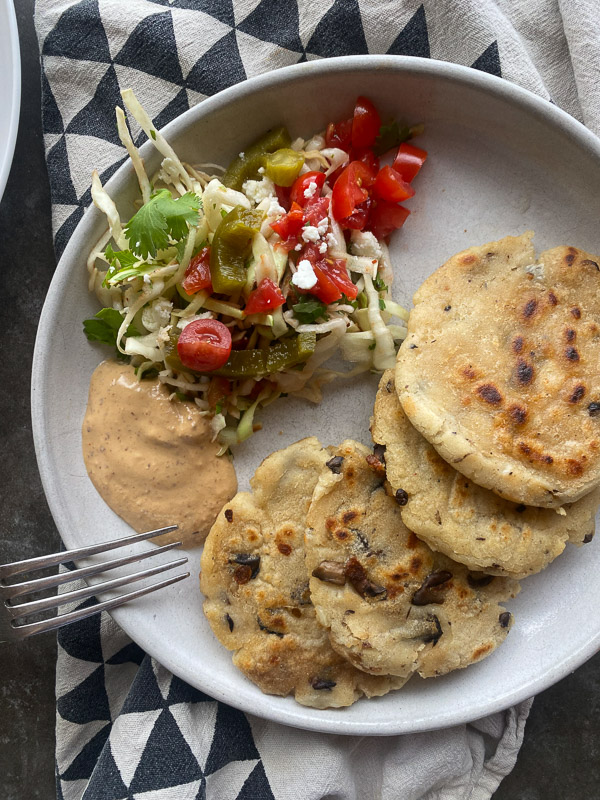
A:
x: 274, y: 21
x: 79, y: 34
x: 340, y: 32
x: 489, y: 61
x: 219, y: 9
x: 129, y: 728
x: 413, y: 40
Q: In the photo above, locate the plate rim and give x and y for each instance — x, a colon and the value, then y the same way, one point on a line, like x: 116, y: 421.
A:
x: 7, y: 8
x: 303, y: 717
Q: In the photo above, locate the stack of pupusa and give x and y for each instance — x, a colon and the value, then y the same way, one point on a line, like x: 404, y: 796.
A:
x: 321, y: 591
x: 491, y: 422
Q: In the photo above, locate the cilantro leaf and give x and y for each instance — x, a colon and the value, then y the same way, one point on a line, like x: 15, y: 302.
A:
x: 379, y: 284
x: 104, y: 327
x: 122, y: 265
x: 308, y: 310
x: 160, y: 218
x: 390, y: 135
x: 345, y: 301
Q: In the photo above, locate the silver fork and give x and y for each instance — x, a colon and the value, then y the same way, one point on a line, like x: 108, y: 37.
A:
x: 10, y: 613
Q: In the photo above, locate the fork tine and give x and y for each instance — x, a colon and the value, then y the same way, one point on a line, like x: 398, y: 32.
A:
x: 7, y: 570
x: 32, y: 628
x: 26, y: 609
x: 52, y: 581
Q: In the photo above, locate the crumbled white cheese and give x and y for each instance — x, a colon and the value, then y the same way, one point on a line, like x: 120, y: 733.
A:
x: 242, y: 155
x: 304, y: 277
x: 310, y: 190
x: 162, y: 337
x: 323, y: 247
x: 322, y: 226
x: 157, y: 314
x: 274, y: 208
x: 331, y: 240
x: 261, y: 170
x: 311, y: 234
x: 364, y: 243
x: 298, y: 247
x: 259, y: 190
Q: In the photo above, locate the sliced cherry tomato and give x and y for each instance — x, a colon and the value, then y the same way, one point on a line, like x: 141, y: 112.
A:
x: 365, y: 124
x: 350, y: 189
x: 291, y: 224
x: 339, y: 134
x: 391, y: 187
x: 316, y: 210
x: 409, y: 161
x: 218, y: 390
x: 302, y: 184
x: 204, y: 345
x: 386, y: 217
x: 197, y: 275
x: 266, y: 297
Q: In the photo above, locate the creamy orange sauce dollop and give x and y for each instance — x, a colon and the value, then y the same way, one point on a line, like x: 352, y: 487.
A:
x: 151, y: 458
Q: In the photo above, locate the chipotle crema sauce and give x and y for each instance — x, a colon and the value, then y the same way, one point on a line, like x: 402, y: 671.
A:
x: 151, y: 458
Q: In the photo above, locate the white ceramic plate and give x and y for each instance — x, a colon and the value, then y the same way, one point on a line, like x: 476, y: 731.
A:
x: 10, y: 88
x: 501, y: 161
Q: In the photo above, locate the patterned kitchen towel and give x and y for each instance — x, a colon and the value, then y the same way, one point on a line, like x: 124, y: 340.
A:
x: 126, y: 728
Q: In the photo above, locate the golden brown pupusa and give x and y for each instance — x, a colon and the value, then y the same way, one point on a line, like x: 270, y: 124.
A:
x: 467, y: 522
x: 501, y: 369
x: 392, y: 605
x: 256, y: 587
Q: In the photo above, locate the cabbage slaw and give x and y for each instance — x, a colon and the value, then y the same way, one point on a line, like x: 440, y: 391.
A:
x: 145, y: 287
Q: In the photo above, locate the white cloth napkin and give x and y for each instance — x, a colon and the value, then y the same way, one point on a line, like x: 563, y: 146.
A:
x: 126, y: 728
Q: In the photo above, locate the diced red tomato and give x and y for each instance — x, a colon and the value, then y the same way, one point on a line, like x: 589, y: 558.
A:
x: 204, y: 345
x: 325, y: 288
x: 365, y: 124
x: 391, y: 187
x: 409, y: 161
x: 332, y: 276
x: 339, y: 134
x: 283, y: 196
x: 386, y: 217
x: 266, y: 297
x: 302, y: 184
x: 218, y: 390
x: 197, y: 275
x: 359, y: 218
x: 350, y: 189
x: 338, y: 272
x: 289, y: 226
x: 316, y: 210
x: 367, y: 157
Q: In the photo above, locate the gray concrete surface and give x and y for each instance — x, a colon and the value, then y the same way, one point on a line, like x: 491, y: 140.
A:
x: 559, y: 760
